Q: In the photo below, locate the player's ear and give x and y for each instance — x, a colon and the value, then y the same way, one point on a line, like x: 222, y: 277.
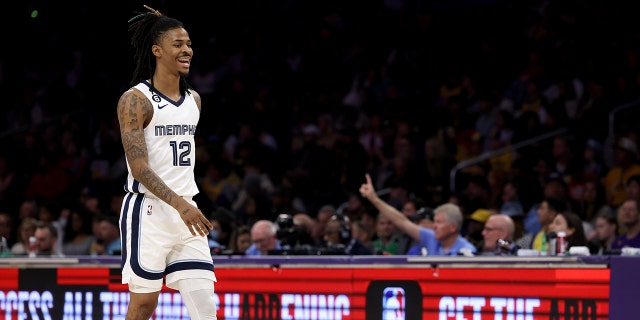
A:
x: 156, y: 50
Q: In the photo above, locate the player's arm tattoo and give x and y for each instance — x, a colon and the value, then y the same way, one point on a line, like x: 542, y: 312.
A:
x: 134, y: 113
x: 131, y: 115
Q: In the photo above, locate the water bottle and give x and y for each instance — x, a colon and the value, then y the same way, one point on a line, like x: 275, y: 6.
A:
x: 4, y: 248
x: 561, y: 244
x: 552, y: 238
x: 33, y: 247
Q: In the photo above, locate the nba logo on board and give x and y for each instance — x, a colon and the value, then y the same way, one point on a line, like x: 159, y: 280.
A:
x: 149, y: 210
x: 394, y: 299
x: 393, y: 303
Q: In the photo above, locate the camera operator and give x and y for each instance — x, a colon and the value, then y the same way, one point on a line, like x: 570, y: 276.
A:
x: 292, y: 234
x: 338, y: 237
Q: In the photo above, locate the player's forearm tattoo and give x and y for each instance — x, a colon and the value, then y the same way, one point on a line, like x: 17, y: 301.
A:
x: 151, y: 180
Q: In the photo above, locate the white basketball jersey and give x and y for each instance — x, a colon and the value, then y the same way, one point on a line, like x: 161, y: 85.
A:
x: 170, y: 142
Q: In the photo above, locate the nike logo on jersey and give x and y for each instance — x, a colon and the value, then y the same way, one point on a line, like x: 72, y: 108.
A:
x: 162, y: 106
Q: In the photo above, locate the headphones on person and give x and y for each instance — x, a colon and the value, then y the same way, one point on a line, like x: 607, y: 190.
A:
x: 345, y: 226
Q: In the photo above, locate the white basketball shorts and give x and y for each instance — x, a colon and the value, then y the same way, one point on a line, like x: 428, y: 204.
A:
x: 157, y: 245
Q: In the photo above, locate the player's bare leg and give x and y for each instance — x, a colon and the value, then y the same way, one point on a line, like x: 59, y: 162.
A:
x: 142, y: 305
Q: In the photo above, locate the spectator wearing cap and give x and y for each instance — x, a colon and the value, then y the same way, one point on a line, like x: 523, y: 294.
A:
x: 625, y: 166
x: 475, y: 224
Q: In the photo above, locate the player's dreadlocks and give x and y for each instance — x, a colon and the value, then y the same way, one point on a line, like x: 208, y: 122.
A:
x: 147, y: 29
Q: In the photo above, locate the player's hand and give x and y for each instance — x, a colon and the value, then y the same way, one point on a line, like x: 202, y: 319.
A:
x: 197, y: 223
x: 366, y: 189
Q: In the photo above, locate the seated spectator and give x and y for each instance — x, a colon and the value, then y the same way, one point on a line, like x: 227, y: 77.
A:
x: 606, y: 233
x: 553, y: 187
x: 52, y: 212
x: 223, y: 222
x: 47, y: 241
x: 547, y: 211
x: 240, y: 240
x: 498, y: 226
x: 78, y: 235
x: 571, y: 224
x: 369, y: 218
x: 322, y: 217
x: 26, y: 229
x: 7, y: 228
x: 629, y: 215
x: 264, y: 236
x: 632, y: 190
x: 387, y: 239
x: 364, y: 234
x: 107, y: 237
x: 339, y: 239
x: 445, y: 239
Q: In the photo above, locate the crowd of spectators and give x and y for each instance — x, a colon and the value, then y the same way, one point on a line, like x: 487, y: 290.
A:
x: 301, y: 99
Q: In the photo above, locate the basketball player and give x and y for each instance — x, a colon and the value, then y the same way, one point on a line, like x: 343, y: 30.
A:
x: 164, y: 234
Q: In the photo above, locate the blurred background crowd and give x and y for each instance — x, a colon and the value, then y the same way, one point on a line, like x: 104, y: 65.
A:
x: 491, y: 105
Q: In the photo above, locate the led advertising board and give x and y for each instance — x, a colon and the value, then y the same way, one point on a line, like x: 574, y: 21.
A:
x: 80, y: 293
